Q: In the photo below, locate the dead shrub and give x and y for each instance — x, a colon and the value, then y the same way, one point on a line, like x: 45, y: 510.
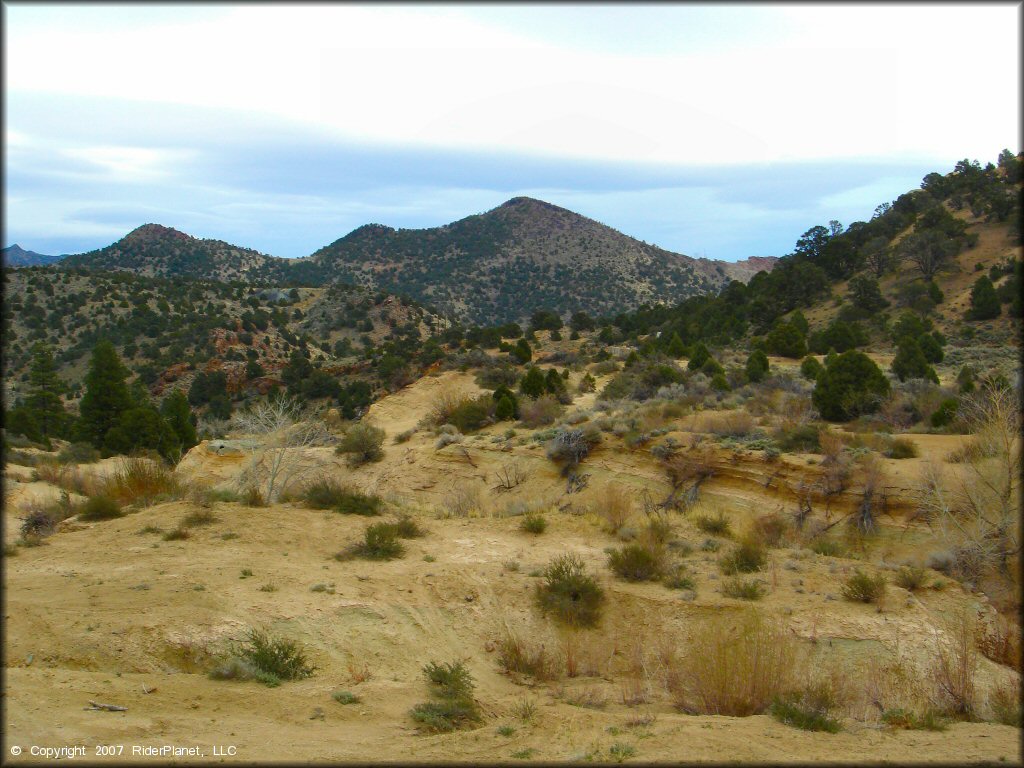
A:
x: 999, y: 640
x: 770, y: 528
x: 953, y: 666
x: 614, y: 505
x: 462, y: 501
x: 540, y: 412
x: 734, y: 665
x: 1005, y: 703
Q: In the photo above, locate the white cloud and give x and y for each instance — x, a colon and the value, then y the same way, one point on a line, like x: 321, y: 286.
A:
x: 842, y: 81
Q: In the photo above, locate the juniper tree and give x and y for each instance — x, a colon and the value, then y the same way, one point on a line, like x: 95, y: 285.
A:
x: 106, y: 395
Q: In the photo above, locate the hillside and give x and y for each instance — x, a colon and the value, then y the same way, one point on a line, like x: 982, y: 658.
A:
x: 16, y: 256
x: 522, y: 256
x: 492, y: 268
x: 153, y: 250
x: 168, y: 329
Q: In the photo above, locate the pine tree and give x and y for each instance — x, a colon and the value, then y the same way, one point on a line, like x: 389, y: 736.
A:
x: 179, y: 416
x: 106, y: 395
x: 910, y: 362
x: 676, y: 348
x: 532, y: 384
x: 45, y: 388
x: 757, y: 366
x: 984, y: 301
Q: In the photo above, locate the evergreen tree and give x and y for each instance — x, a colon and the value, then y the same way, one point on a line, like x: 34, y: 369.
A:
x: 676, y: 348
x: 910, y: 362
x: 553, y: 383
x: 700, y: 356
x: 522, y: 352
x: 786, y: 340
x: 45, y: 388
x: 851, y: 385
x: 142, y: 427
x: 504, y: 409
x: 757, y: 366
x: 532, y: 384
x: 106, y: 395
x: 179, y: 416
x: 984, y: 301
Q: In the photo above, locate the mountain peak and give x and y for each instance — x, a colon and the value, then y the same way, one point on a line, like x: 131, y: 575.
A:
x: 155, y: 232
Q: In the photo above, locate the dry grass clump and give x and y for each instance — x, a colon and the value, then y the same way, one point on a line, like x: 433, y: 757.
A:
x: 744, y: 589
x: 736, y: 423
x: 770, y: 528
x: 713, y: 526
x: 614, y: 505
x: 540, y: 412
x: 734, y: 665
x: 516, y: 657
x: 142, y: 482
x: 1005, y: 703
x: 100, y: 508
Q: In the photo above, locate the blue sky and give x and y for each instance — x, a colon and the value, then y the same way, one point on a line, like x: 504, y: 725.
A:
x: 719, y: 130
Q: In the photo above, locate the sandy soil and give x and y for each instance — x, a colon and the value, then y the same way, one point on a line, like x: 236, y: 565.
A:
x: 104, y: 612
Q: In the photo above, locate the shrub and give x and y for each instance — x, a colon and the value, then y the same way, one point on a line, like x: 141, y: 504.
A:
x: 380, y: 542
x: 849, y: 386
x: 739, y: 589
x: 253, y: 497
x: 614, y: 506
x: 78, y: 453
x: 324, y: 493
x: 362, y: 442
x: 407, y: 528
x: 808, y: 710
x: 276, y: 658
x: 569, y: 593
x: 770, y: 528
x: 637, y: 562
x: 734, y: 669
x: 178, y: 534
x: 197, y: 518
x: 100, y: 508
x: 953, y: 666
x: 1005, y: 703
x: 713, y: 526
x: 38, y: 523
x: 862, y: 588
x: 515, y: 657
x: 827, y: 547
x: 802, y: 438
x: 452, y: 685
x: 901, y: 448
x: 749, y: 556
x: 141, y: 481
x: 345, y: 697
x: 903, y: 719
x: 911, y: 578
x: 810, y: 368
x: 349, y: 501
x: 471, y: 414
x: 540, y: 412
x: 533, y: 523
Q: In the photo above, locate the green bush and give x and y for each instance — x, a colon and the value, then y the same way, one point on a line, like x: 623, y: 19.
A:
x: 851, y: 385
x: 324, y: 493
x: 471, y: 414
x: 945, y: 413
x: 637, y: 562
x: 352, y: 502
x: 809, y: 710
x: 802, y: 438
x: 743, y: 590
x: 533, y: 523
x: 827, y: 547
x: 810, y: 368
x: 100, y: 508
x: 345, y: 697
x: 749, y: 556
x: 862, y: 588
x: 714, y: 526
x: 380, y: 542
x: 362, y: 443
x: 453, y: 686
x: 903, y: 719
x: 569, y: 593
x: 911, y: 578
x: 276, y: 659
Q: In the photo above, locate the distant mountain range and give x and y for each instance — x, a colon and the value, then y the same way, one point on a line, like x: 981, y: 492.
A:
x: 494, y: 267
x: 16, y: 256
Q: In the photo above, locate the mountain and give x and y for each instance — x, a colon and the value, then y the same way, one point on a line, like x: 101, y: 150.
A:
x: 16, y: 256
x: 153, y: 250
x: 524, y: 255
x: 495, y: 267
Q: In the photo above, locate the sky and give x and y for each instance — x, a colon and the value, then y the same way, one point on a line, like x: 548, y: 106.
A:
x: 715, y: 130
